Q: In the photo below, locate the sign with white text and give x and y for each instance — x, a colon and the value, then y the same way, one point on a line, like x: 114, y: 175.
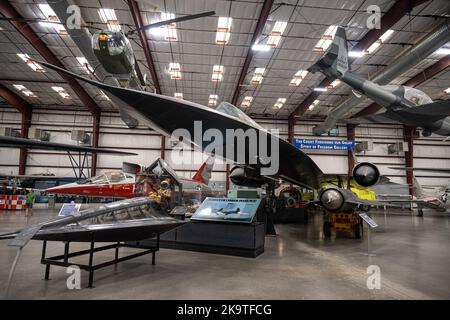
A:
x: 319, y: 144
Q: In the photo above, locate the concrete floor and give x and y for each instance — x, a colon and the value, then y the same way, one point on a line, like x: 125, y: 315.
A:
x: 412, y: 252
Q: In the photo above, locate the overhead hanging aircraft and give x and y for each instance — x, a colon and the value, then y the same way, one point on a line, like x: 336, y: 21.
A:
x: 404, y: 104
x: 166, y: 114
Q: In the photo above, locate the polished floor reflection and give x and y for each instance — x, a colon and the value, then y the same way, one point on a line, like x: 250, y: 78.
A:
x: 412, y: 254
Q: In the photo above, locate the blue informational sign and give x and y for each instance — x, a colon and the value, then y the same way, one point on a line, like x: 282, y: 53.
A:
x: 319, y: 144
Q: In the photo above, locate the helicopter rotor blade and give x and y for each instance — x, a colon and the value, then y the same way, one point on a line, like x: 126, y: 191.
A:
x: 179, y: 19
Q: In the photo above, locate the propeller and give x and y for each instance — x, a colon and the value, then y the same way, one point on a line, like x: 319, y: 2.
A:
x: 166, y: 22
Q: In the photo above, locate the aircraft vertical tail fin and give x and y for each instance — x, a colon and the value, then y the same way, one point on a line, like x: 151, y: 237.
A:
x: 203, y: 175
x: 335, y: 61
x: 418, y: 190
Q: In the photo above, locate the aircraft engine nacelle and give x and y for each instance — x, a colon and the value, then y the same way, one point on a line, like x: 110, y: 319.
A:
x: 334, y: 199
x: 426, y: 133
x: 248, y: 177
x: 366, y: 174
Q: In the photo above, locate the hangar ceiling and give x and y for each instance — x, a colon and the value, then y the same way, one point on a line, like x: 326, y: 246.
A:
x: 196, y: 51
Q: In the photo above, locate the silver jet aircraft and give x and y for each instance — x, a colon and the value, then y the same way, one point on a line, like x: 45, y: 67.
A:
x: 404, y: 104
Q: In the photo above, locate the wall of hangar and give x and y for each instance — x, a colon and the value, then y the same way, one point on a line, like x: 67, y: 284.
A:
x: 428, y: 152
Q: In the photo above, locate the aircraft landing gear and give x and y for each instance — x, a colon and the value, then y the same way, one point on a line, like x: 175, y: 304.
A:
x: 348, y: 222
x: 420, y: 212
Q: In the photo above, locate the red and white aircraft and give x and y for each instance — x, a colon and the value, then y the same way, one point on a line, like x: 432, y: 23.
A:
x: 121, y: 184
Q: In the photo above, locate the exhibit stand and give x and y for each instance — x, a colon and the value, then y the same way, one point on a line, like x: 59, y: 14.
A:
x: 222, y: 226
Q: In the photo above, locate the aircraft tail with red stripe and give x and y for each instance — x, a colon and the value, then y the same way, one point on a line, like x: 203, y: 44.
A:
x: 203, y: 175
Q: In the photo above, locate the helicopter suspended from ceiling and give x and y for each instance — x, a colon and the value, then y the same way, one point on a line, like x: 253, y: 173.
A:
x: 112, y: 48
x: 115, y: 53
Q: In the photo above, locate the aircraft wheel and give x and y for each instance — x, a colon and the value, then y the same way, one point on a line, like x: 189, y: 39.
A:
x: 365, y: 207
x: 327, y: 229
x: 420, y: 212
x: 358, y: 231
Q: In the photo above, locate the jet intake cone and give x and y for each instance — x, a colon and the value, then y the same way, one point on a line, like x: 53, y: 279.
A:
x: 366, y: 174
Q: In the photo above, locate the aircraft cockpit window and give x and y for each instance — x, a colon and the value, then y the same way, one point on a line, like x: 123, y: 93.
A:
x: 116, y: 43
x: 115, y: 176
x: 416, y: 96
x: 101, y: 179
x: 229, y: 109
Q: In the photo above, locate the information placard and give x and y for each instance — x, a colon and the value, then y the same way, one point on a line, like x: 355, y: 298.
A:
x: 227, y: 210
x: 368, y: 220
x: 69, y: 209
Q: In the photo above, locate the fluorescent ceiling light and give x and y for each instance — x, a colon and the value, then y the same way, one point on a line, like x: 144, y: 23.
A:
x: 217, y: 69
x: 212, y: 101
x: 223, y: 30
x: 246, y: 102
x: 170, y: 31
x: 50, y: 15
x: 175, y: 71
x: 280, y: 102
x: 277, y: 31
x: 320, y: 89
x: 260, y: 47
x: 334, y: 84
x: 447, y: 91
x: 109, y: 17
x: 443, y: 51
x: 326, y: 40
x: 24, y: 90
x: 178, y: 95
x: 386, y: 35
x: 315, y: 103
x: 85, y: 64
x: 217, y: 74
x: 33, y: 65
x: 298, y: 77
x: 380, y: 40
x: 62, y: 92
x: 175, y: 75
x: 356, y: 54
x: 258, y: 76
x: 174, y: 66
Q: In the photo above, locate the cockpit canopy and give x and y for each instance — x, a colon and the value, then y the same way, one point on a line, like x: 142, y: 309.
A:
x: 416, y: 96
x: 229, y: 109
x: 108, y: 177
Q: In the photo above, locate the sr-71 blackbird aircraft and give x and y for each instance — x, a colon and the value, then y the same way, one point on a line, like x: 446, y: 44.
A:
x: 404, y: 104
x: 166, y: 114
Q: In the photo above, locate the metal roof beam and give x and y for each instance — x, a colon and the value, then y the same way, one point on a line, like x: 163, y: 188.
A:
x: 136, y: 14
x: 27, y: 32
x: 265, y: 11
